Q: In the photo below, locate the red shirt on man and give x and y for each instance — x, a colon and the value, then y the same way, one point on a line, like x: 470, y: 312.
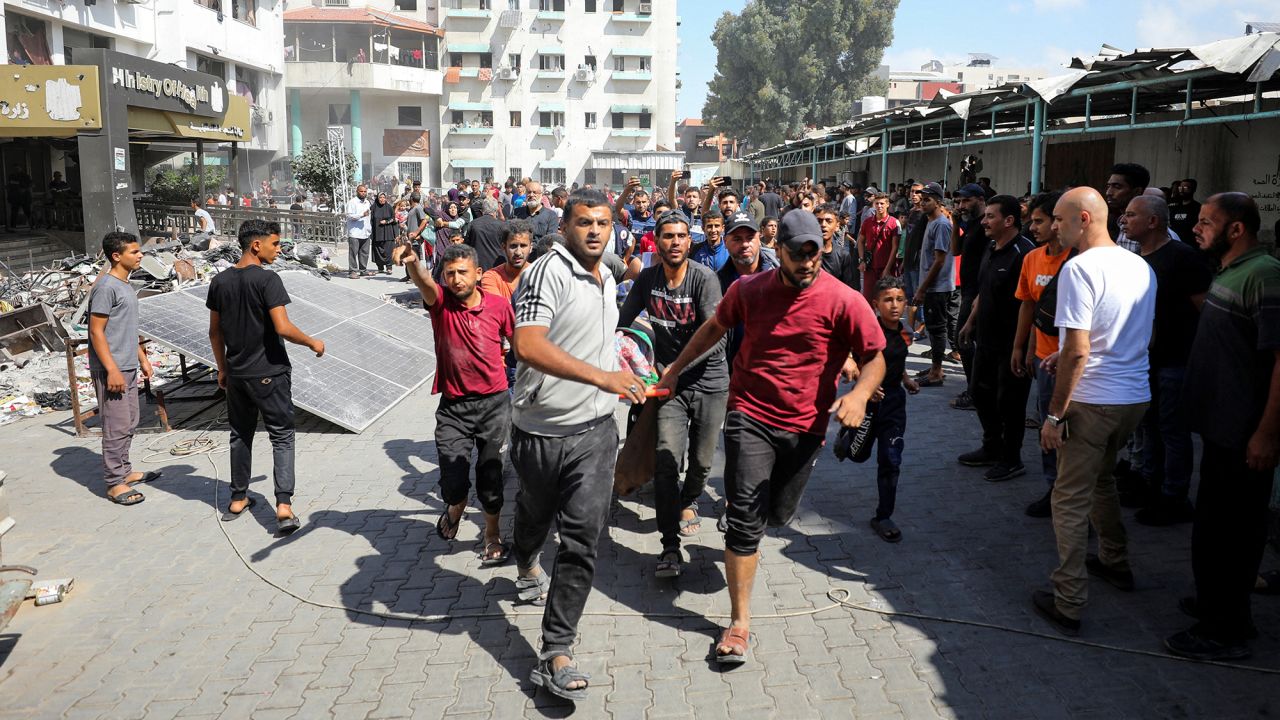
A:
x: 793, y: 346
x: 879, y: 236
x: 469, y: 344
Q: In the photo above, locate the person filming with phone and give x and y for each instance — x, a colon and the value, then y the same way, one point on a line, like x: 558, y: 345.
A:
x: 1106, y: 300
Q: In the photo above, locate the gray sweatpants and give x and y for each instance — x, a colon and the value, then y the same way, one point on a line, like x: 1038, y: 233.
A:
x: 119, y: 415
x: 569, y: 481
x: 358, y: 253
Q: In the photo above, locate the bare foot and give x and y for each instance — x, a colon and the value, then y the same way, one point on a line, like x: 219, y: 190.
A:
x: 283, y: 511
x: 237, y: 506
x: 562, y: 661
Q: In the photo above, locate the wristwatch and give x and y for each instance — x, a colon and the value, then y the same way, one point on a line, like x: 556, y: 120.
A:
x: 1053, y: 420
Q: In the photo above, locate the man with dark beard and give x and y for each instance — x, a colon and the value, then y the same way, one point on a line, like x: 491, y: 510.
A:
x: 802, y: 327
x: 474, y: 412
x: 1234, y: 404
x: 679, y: 296
x: 746, y: 257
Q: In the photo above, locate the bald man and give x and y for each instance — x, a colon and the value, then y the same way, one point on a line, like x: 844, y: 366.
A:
x: 1182, y: 279
x: 542, y: 219
x: 1105, y: 309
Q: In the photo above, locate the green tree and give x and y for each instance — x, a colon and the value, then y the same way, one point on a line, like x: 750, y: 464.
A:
x: 782, y: 65
x: 314, y: 170
x: 176, y: 186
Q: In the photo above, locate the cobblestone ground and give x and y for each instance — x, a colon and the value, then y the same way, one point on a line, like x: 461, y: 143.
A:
x: 166, y: 620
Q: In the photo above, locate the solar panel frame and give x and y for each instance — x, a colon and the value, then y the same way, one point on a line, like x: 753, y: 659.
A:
x: 373, y: 368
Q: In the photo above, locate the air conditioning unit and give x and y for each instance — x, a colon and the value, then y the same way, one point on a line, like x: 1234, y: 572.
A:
x: 646, y: 8
x: 506, y: 73
x: 585, y: 75
x: 509, y: 19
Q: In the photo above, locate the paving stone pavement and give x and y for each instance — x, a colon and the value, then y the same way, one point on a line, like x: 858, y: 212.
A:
x: 167, y: 621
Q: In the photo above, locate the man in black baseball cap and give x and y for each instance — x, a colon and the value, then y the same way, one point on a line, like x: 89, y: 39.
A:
x: 801, y: 327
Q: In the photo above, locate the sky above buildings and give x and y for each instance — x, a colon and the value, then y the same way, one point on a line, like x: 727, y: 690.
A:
x: 1026, y: 33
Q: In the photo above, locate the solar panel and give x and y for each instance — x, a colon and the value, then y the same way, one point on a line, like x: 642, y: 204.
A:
x: 375, y: 353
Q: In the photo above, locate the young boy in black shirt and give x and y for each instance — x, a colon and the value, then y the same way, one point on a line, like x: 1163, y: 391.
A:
x: 889, y: 404
x: 247, y: 323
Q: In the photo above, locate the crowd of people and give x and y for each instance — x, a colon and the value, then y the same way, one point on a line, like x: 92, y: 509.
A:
x: 1139, y: 316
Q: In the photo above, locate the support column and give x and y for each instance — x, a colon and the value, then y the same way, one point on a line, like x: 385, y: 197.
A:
x: 356, y: 148
x: 295, y: 122
x: 884, y: 160
x: 1037, y: 146
x: 204, y: 193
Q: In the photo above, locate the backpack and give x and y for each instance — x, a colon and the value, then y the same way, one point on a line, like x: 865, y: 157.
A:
x: 1047, y: 305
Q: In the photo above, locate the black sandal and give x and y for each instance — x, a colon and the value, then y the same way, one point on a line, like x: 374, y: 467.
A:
x: 557, y: 682
x: 287, y: 525
x: 447, y: 527
x: 130, y: 497
x: 228, y: 516
x: 533, y: 589
x: 146, y: 478
x: 887, y: 529
x: 487, y: 560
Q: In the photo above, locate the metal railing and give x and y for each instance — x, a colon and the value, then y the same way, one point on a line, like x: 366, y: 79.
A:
x: 297, y: 225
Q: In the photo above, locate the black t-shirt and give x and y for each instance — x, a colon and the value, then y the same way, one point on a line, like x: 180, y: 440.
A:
x: 1182, y: 218
x: 485, y: 235
x: 772, y: 202
x: 917, y: 221
x: 243, y: 298
x: 841, y: 264
x: 895, y: 357
x: 1180, y: 273
x: 973, y: 246
x: 676, y: 313
x: 997, y: 321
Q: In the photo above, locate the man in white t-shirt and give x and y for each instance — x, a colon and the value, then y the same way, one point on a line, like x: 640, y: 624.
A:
x: 1105, y: 310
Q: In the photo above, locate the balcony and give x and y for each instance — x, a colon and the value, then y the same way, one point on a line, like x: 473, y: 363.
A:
x: 631, y: 132
x: 467, y: 14
x: 632, y: 18
x: 550, y: 132
x: 550, y: 74
x: 470, y: 130
x: 363, y: 76
x: 550, y: 15
x: 632, y: 75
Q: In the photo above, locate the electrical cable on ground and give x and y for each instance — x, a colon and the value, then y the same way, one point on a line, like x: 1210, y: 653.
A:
x: 839, y: 596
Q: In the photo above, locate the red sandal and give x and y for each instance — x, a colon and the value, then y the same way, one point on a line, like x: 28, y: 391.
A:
x: 739, y: 640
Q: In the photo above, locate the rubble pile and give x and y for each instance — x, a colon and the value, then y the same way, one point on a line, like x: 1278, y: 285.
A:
x: 33, y: 366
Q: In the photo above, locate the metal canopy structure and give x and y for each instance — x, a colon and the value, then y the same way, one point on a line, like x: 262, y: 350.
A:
x: 376, y: 353
x: 1232, y: 80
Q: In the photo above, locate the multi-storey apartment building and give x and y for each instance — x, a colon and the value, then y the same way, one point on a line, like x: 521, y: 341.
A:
x: 562, y: 91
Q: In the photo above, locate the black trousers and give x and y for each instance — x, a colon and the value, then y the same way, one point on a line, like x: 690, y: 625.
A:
x: 1228, y: 540
x: 766, y: 470
x: 272, y: 398
x: 479, y: 423
x: 888, y: 428
x: 1000, y: 397
x: 966, y: 350
x: 567, y: 481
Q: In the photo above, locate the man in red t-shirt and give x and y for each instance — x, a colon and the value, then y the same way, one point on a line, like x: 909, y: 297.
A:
x: 877, y: 243
x: 469, y: 326
x: 801, y: 327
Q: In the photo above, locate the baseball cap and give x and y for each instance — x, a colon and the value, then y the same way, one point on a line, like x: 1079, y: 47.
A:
x: 740, y: 219
x: 933, y: 189
x: 971, y: 190
x: 797, y: 228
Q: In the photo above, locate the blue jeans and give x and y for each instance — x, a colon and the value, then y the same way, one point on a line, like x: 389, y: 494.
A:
x: 1167, y: 455
x: 1044, y: 392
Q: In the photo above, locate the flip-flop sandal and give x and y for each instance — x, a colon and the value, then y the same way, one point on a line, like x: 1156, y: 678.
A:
x: 690, y: 527
x: 887, y: 529
x: 132, y: 497
x: 486, y: 560
x: 447, y: 527
x: 1271, y: 583
x: 228, y: 516
x: 287, y: 526
x: 925, y: 382
x: 146, y: 478
x: 737, y: 639
x: 557, y: 681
